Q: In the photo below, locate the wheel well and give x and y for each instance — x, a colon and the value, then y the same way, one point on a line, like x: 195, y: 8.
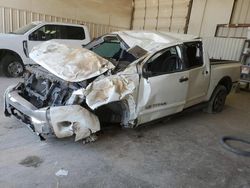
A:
x: 115, y: 112
x: 227, y: 82
x: 4, y: 52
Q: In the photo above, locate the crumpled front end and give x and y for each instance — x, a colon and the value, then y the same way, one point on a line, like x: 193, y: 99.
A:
x: 73, y: 96
x: 63, y: 121
x: 50, y: 105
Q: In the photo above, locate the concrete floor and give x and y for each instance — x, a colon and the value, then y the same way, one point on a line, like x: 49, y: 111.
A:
x: 181, y: 152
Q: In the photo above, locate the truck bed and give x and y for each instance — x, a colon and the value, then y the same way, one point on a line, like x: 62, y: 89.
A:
x: 220, y: 61
x: 222, y: 70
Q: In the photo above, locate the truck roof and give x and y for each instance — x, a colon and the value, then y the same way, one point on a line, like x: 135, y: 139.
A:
x: 153, y: 40
x: 56, y: 23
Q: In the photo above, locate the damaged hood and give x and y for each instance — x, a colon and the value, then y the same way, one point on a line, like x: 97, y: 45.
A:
x: 69, y: 64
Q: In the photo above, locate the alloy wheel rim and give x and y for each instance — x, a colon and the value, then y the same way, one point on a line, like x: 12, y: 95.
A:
x: 15, y: 68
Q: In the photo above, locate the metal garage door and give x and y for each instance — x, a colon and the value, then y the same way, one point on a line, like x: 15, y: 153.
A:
x: 11, y: 19
x: 241, y: 12
x: 164, y: 15
x: 239, y: 22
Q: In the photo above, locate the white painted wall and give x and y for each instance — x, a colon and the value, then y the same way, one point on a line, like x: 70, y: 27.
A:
x: 206, y: 14
x: 115, y: 12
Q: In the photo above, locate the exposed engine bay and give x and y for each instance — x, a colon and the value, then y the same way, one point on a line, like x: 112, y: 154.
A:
x: 43, y: 89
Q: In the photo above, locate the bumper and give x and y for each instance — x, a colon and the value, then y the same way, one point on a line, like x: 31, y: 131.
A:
x: 36, y: 119
x: 63, y: 121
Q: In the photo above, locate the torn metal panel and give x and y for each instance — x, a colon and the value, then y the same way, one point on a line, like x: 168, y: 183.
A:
x: 108, y: 89
x: 144, y: 96
x: 69, y: 64
x: 129, y: 121
x: 73, y: 119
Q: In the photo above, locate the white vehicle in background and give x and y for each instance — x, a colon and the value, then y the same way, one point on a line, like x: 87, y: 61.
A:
x: 16, y: 46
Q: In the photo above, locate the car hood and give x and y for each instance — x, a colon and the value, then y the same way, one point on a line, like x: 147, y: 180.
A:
x: 8, y: 35
x: 69, y: 64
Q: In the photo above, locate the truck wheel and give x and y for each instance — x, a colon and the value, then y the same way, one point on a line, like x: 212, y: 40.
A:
x: 217, y: 101
x: 12, y: 67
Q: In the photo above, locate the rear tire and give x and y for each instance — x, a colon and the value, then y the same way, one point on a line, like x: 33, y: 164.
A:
x: 217, y: 101
x: 12, y: 66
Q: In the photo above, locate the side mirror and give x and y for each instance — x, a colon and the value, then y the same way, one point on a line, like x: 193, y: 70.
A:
x: 33, y: 36
x: 145, y: 73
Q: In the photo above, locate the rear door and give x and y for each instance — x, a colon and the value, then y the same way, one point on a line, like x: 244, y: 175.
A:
x: 165, y: 85
x: 199, y: 75
x: 72, y: 35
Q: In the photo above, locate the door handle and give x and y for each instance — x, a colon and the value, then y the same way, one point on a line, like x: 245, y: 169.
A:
x: 25, y: 48
x: 183, y: 79
x: 205, y: 72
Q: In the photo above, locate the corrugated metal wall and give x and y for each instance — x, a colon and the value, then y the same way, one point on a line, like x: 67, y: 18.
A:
x: 239, y: 23
x: 11, y: 19
x: 241, y: 12
x: 164, y: 15
x: 206, y: 14
x: 232, y: 31
x: 224, y: 48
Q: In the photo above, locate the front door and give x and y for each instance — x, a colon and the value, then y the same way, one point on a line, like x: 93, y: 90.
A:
x: 164, y: 86
x: 42, y: 34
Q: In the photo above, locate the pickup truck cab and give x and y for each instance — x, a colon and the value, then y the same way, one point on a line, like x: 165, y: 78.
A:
x: 16, y: 46
x: 126, y: 77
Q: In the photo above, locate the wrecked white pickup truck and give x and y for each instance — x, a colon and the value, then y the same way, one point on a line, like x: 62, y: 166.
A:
x: 129, y: 77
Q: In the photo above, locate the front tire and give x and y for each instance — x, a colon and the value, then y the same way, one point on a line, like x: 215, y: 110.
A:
x: 217, y: 101
x: 12, y: 67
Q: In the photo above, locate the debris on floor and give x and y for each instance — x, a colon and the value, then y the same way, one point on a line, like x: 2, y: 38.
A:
x: 62, y: 172
x: 91, y: 138
x: 32, y: 161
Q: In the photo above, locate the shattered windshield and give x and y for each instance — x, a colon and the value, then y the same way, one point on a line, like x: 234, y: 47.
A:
x: 109, y: 48
x: 112, y: 48
x: 25, y: 29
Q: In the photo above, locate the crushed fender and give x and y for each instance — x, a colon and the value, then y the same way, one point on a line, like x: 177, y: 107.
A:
x: 105, y: 90
x: 69, y: 120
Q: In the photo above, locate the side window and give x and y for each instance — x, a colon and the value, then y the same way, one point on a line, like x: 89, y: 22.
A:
x: 71, y: 32
x: 165, y: 61
x: 75, y: 33
x: 193, y: 53
x: 49, y: 32
x: 44, y: 33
